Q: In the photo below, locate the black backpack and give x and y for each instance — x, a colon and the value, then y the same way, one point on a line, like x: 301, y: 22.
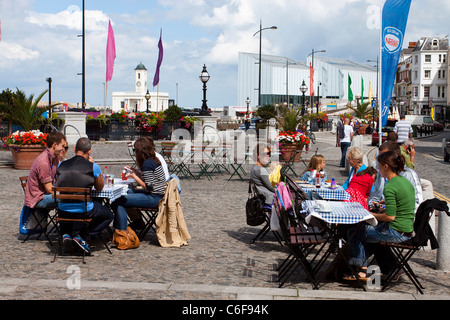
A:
x: 254, y: 208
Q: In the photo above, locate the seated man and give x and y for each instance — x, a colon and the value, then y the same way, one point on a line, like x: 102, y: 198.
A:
x: 38, y: 192
x: 81, y: 172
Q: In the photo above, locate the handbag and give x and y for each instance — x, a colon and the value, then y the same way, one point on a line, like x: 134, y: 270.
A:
x: 254, y: 208
x: 125, y: 239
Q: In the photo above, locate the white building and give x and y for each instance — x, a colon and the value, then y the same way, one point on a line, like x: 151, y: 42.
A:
x: 429, y: 76
x: 282, y: 77
x: 135, y: 101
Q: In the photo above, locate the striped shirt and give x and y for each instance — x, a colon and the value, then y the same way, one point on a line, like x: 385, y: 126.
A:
x: 403, y: 129
x: 153, y: 177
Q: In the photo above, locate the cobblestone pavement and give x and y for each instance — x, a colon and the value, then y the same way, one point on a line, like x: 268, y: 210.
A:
x: 219, y: 262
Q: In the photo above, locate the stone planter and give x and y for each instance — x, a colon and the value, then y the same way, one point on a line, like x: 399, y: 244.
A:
x: 23, y: 156
x: 291, y: 151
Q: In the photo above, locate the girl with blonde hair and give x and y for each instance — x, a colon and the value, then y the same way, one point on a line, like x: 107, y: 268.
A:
x: 316, y: 164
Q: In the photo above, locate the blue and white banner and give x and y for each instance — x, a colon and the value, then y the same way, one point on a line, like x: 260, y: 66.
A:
x: 395, y: 16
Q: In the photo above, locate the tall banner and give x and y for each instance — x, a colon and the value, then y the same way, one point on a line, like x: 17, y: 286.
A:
x: 350, y: 92
x: 394, y: 18
x: 311, y: 80
x: 362, y: 90
x: 110, y: 53
x: 160, y: 58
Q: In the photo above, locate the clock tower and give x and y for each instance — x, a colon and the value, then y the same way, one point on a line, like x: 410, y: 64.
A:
x: 140, y: 78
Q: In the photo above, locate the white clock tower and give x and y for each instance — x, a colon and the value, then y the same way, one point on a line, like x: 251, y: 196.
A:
x: 140, y: 78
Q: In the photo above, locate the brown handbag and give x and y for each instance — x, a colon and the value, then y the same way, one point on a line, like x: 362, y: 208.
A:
x: 125, y: 239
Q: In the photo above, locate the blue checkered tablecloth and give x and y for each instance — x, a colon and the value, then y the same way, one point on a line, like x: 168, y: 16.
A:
x: 341, y: 213
x: 112, y: 193
x: 326, y: 193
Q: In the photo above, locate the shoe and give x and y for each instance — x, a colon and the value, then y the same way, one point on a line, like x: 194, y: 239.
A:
x: 82, y: 244
x: 67, y: 243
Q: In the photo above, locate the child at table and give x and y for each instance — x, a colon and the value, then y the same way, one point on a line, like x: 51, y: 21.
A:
x: 360, y: 186
x: 316, y: 164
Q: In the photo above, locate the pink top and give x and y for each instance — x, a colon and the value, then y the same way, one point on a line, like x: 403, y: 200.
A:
x: 42, y: 171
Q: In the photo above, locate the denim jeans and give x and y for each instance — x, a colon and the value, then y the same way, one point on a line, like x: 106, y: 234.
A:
x: 132, y: 199
x: 344, y: 147
x: 359, y: 236
x: 101, y: 217
x: 46, y: 203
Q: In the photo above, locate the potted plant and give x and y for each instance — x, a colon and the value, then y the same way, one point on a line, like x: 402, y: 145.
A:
x: 27, y: 144
x: 291, y: 143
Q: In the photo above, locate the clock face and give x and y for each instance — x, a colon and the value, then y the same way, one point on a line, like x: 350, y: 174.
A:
x: 138, y: 83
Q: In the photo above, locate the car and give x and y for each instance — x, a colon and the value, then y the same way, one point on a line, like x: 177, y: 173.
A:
x: 253, y: 123
x: 438, y: 126
x: 384, y: 131
x: 446, y: 147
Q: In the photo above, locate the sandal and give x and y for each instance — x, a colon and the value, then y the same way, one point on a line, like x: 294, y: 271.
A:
x: 362, y: 276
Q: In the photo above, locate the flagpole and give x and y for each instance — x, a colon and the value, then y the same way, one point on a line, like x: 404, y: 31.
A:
x: 106, y: 94
x: 157, y: 98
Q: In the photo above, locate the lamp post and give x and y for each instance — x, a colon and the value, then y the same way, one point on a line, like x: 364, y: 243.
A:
x: 147, y: 97
x: 49, y: 80
x: 318, y: 96
x: 204, y: 77
x: 303, y: 89
x: 260, y: 41
x: 376, y: 103
x: 247, y: 101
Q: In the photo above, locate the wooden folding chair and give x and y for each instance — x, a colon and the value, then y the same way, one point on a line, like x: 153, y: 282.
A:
x: 70, y: 194
x: 42, y: 217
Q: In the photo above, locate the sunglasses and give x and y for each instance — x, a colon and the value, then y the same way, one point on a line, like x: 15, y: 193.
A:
x: 66, y: 148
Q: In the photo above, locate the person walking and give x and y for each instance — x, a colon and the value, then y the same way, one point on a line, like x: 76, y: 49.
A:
x: 403, y: 129
x: 346, y: 141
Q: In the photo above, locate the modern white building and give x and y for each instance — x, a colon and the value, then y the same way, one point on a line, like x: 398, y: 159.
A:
x: 429, y: 76
x: 135, y: 101
x: 281, y: 78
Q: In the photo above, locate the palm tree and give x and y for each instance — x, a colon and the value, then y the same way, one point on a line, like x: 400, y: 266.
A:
x: 361, y: 109
x: 25, y: 111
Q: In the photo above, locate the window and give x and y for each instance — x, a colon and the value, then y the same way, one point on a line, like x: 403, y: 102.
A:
x: 427, y: 74
x: 439, y: 74
x: 441, y: 91
x: 416, y: 59
x: 416, y: 75
x: 443, y: 74
x: 444, y: 57
x: 415, y: 92
x: 428, y: 58
x: 426, y: 92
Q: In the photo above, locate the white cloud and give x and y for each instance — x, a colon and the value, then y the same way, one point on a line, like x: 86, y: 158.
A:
x: 14, y: 51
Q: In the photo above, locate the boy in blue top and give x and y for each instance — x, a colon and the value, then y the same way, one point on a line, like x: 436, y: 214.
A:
x: 81, y: 172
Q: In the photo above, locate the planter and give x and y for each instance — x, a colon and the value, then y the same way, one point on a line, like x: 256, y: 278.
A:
x: 291, y: 151
x: 23, y: 156
x: 362, y: 128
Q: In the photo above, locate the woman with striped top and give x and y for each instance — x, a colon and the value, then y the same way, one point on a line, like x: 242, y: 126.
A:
x: 150, y: 178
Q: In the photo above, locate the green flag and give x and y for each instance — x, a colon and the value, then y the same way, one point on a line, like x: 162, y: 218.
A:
x: 350, y: 92
x: 362, y: 90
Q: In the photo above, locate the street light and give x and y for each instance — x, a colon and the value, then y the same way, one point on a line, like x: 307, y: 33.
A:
x: 318, y: 96
x: 147, y: 96
x: 303, y: 89
x: 49, y: 80
x: 260, y: 41
x: 247, y: 101
x: 373, y: 108
x: 204, y: 77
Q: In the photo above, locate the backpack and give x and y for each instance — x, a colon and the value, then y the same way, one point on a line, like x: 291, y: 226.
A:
x: 254, y: 207
x: 340, y: 130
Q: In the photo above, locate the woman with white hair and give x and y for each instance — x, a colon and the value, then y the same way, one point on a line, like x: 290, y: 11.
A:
x: 355, y: 159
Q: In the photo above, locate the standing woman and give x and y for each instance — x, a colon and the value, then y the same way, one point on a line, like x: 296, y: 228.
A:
x: 150, y: 178
x: 395, y: 223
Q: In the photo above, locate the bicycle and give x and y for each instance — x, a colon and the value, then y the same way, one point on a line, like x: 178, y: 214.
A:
x: 311, y: 136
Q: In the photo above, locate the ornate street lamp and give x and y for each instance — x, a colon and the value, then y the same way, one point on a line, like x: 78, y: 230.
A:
x: 260, y: 41
x: 204, y: 77
x: 247, y: 101
x: 303, y: 89
x: 147, y: 97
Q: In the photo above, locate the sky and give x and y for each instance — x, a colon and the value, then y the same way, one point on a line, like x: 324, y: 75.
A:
x: 40, y: 39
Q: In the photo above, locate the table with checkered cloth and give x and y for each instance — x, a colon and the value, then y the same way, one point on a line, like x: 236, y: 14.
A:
x: 327, y: 193
x: 341, y: 213
x: 112, y: 193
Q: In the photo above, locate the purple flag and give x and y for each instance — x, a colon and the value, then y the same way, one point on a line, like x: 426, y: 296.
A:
x: 160, y: 58
x: 110, y: 53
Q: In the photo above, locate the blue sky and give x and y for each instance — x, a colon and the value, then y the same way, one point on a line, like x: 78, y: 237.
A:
x: 39, y: 40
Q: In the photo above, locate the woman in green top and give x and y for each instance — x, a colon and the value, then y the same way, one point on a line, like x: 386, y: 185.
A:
x: 395, y: 223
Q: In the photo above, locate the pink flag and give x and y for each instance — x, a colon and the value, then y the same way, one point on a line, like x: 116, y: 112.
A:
x: 110, y: 53
x: 311, y: 80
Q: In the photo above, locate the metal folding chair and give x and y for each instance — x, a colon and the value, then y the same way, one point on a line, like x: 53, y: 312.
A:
x: 70, y: 194
x: 148, y: 215
x: 42, y: 217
